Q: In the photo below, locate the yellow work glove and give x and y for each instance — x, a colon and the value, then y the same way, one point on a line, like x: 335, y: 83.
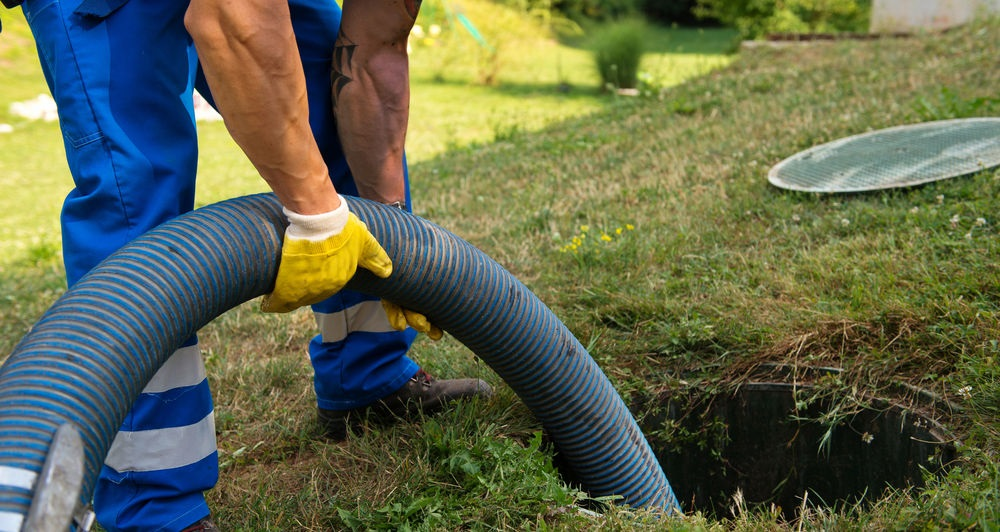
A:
x: 320, y: 254
x: 400, y: 317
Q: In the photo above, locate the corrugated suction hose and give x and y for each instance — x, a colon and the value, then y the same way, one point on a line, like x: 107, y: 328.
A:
x: 96, y: 348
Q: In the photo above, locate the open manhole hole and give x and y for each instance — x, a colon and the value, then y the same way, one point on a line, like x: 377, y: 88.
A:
x: 766, y: 443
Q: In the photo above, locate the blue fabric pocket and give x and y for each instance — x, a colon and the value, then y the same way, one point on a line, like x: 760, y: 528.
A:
x: 97, y: 8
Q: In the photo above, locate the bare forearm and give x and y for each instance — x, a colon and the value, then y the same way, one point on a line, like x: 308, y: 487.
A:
x: 248, y: 53
x: 371, y: 93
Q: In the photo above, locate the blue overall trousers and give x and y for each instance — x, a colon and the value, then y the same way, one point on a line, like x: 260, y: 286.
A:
x: 123, y: 73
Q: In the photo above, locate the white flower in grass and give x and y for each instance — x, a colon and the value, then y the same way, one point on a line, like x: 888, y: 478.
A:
x: 868, y: 437
x: 980, y: 222
x: 845, y: 222
x: 965, y: 392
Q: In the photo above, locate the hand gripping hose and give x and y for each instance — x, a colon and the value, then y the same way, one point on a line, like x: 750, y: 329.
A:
x: 70, y: 382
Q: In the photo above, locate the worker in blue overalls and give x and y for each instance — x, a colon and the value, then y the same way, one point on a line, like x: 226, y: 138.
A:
x: 318, y: 99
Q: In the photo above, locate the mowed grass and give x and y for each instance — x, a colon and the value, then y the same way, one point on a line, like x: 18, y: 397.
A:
x: 714, y: 273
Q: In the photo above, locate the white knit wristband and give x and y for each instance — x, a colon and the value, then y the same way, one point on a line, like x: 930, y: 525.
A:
x: 317, y: 227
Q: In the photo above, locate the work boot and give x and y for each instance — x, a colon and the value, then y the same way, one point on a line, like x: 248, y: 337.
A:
x: 422, y: 393
x: 203, y: 525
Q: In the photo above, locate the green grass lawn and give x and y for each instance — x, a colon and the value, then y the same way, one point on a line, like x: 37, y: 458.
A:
x: 714, y: 275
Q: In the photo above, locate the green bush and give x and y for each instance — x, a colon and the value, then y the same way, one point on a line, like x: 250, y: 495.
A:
x: 756, y: 18
x: 618, y: 49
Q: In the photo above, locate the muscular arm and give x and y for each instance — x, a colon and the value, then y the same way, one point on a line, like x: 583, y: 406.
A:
x: 371, y: 92
x: 248, y: 52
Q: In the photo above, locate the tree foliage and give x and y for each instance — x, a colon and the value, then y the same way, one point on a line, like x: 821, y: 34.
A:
x: 756, y: 18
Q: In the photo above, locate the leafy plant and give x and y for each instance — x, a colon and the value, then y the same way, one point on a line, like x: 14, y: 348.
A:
x: 465, y: 466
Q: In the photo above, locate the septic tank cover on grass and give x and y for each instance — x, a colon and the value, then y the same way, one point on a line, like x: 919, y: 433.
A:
x: 894, y: 157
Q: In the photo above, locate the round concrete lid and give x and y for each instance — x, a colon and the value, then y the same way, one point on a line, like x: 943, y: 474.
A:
x: 895, y: 157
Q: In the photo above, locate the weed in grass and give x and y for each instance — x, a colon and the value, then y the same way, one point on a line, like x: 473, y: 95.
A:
x: 509, y: 480
x: 601, y: 248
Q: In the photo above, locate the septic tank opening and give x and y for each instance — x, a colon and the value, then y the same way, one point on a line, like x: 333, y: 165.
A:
x: 758, y: 442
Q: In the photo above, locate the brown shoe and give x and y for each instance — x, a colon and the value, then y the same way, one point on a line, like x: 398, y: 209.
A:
x: 422, y: 393
x: 204, y: 525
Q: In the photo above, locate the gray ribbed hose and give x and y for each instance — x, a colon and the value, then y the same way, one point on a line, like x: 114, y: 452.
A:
x: 97, y: 347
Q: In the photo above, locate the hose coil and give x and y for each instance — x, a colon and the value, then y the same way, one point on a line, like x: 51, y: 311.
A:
x: 90, y: 355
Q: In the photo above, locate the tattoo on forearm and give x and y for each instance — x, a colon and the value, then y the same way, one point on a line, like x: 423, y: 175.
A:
x: 340, y: 73
x: 412, y: 7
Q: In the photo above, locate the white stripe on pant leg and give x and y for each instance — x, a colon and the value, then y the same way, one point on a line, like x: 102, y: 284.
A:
x: 158, y: 449
x: 17, y: 477
x: 11, y: 522
x: 367, y: 316
x: 184, y: 368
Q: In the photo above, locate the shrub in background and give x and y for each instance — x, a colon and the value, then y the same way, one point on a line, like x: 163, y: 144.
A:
x: 583, y: 11
x: 618, y: 49
x: 756, y: 18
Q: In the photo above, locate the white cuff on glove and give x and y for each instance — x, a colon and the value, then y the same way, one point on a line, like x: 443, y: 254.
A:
x: 317, y: 227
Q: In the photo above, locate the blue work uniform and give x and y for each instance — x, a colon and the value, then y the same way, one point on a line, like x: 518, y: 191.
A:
x: 123, y: 74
